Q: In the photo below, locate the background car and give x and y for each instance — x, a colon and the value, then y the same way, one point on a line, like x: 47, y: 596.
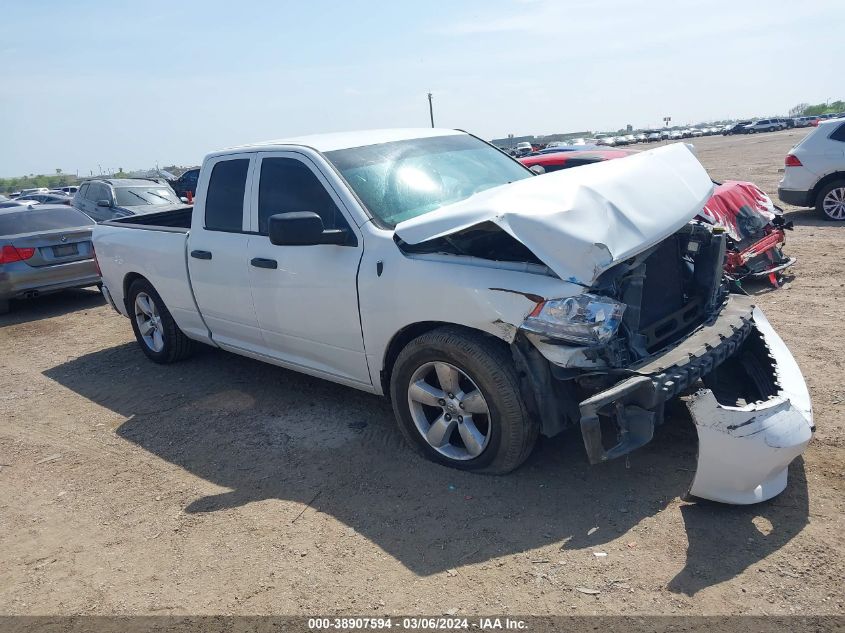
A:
x: 740, y: 127
x: 555, y: 161
x: 653, y: 137
x: 10, y: 204
x: 26, y: 192
x: 44, y: 249
x: 186, y: 183
x: 563, y: 148
x: 814, y: 171
x: 763, y: 125
x: 676, y: 135
x: 608, y: 141
x: 47, y: 198
x: 106, y: 199
x: 70, y: 190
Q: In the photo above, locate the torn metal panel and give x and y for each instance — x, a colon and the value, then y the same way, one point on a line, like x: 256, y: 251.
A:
x: 582, y: 222
x: 745, y: 451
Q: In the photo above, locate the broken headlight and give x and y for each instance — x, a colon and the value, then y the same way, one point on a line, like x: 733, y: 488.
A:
x: 585, y: 320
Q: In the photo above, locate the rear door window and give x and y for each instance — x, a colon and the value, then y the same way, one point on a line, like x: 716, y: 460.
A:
x: 289, y: 185
x: 224, y: 204
x: 98, y: 191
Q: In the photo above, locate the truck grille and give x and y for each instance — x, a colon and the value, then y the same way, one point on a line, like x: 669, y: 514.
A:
x: 673, y: 290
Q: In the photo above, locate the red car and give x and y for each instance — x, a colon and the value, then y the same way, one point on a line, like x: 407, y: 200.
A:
x: 753, y: 224
x: 555, y: 161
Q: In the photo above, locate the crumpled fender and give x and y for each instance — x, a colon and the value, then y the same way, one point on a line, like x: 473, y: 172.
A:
x: 744, y: 452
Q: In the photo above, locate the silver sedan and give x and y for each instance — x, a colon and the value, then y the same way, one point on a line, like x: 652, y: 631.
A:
x: 44, y: 248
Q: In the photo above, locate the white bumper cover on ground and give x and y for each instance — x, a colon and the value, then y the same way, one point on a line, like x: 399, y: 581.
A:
x: 744, y: 452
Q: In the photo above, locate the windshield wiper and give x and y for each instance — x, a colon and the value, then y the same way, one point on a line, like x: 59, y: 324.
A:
x: 158, y: 195
x: 139, y: 196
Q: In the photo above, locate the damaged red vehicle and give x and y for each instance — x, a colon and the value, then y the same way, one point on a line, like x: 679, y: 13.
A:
x: 755, y: 228
x: 754, y: 225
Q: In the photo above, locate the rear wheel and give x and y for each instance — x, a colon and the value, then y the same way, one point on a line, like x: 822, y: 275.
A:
x: 457, y: 401
x: 830, y: 203
x: 155, y: 330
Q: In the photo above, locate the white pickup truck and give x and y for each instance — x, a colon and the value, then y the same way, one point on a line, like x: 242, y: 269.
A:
x: 491, y: 305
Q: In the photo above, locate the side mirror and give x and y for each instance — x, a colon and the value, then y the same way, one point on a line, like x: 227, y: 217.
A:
x: 538, y: 169
x: 303, y: 228
x: 103, y: 203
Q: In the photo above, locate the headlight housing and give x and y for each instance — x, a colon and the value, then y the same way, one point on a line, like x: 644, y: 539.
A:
x: 585, y: 319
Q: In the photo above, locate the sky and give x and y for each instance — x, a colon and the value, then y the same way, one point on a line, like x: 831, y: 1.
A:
x: 89, y: 85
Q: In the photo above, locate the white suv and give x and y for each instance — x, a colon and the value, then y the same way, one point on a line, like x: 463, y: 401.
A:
x: 815, y: 171
x: 764, y: 125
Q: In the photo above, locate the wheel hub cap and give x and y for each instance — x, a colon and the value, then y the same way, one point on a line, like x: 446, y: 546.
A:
x: 834, y: 203
x: 449, y: 411
x: 149, y: 322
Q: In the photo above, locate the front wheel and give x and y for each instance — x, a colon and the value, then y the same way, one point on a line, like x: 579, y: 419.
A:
x: 830, y: 203
x: 457, y: 401
x: 155, y: 330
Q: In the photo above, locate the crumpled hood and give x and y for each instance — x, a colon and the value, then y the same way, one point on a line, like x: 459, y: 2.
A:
x: 580, y: 222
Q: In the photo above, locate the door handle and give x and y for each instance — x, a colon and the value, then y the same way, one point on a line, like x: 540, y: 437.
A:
x: 260, y: 262
x: 201, y: 254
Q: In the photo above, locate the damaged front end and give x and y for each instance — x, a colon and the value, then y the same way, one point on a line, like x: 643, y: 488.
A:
x: 678, y: 331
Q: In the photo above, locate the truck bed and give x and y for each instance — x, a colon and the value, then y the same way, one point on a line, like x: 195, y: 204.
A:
x: 158, y: 254
x: 178, y: 220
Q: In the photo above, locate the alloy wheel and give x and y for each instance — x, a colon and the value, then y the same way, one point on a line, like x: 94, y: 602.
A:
x: 833, y: 204
x: 149, y: 322
x: 449, y: 411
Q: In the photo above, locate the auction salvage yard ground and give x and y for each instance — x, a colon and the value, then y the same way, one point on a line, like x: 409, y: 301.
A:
x: 223, y: 485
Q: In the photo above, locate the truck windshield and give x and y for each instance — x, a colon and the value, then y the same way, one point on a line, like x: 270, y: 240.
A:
x: 404, y: 179
x: 137, y: 196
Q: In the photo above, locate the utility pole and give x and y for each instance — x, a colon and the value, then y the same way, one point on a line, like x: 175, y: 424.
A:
x: 430, y: 109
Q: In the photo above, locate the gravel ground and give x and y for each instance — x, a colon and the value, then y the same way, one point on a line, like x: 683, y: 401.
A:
x: 221, y: 485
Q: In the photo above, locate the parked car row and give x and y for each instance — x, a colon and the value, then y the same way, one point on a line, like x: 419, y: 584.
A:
x: 774, y: 125
x: 652, y: 136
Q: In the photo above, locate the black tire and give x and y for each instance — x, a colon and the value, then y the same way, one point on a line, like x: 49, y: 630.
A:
x: 177, y: 346
x: 512, y: 432
x: 823, y: 193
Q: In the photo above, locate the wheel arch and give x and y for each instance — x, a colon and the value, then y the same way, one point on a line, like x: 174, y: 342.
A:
x: 128, y: 280
x: 412, y: 331
x: 823, y: 182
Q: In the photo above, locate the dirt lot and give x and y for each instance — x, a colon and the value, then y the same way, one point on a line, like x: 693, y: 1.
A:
x: 223, y: 485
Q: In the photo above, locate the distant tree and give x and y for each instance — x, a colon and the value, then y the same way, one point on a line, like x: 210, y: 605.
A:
x: 799, y: 109
x: 825, y: 108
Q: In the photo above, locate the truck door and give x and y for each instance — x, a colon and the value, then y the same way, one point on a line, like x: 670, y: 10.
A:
x: 306, y: 297
x: 217, y: 253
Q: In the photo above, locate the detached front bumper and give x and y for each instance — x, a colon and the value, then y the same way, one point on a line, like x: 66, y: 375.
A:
x: 745, y: 446
x: 744, y: 451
